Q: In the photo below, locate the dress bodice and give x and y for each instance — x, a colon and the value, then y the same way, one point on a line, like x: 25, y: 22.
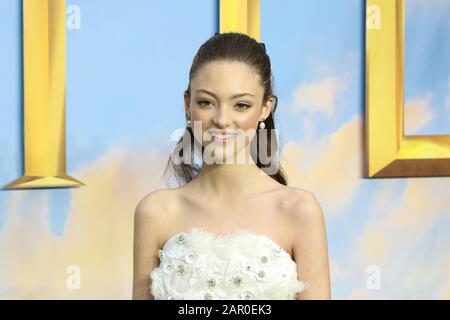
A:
x: 240, y: 265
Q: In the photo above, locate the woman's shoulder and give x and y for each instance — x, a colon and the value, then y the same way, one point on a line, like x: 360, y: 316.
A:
x: 303, y: 208
x: 300, y: 194
x: 291, y: 196
x: 156, y: 206
x: 297, y: 201
x: 155, y: 215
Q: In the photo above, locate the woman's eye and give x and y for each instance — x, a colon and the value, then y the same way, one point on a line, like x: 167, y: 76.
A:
x: 204, y: 103
x: 243, y: 106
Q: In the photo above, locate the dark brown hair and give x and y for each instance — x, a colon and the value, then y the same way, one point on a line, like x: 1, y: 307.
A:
x: 240, y: 47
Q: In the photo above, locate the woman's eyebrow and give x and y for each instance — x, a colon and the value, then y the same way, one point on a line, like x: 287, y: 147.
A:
x: 232, y: 97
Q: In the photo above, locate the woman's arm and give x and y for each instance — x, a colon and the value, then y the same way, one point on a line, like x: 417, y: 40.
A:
x: 147, y: 221
x: 310, y: 248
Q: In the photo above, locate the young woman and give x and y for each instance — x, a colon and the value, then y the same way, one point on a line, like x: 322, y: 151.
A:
x: 233, y: 229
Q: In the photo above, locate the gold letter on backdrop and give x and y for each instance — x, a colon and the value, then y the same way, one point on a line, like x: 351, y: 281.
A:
x: 389, y: 152
x: 240, y: 16
x: 44, y: 46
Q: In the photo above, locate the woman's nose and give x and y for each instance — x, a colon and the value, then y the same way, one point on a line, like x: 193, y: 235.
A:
x: 222, y: 118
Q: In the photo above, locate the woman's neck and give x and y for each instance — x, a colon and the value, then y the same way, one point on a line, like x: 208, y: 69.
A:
x: 228, y: 181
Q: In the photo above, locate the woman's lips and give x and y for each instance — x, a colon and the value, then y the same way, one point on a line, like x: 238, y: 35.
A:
x: 218, y: 138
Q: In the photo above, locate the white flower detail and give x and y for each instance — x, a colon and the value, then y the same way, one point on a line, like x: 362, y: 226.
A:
x: 244, y: 266
x: 208, y: 296
x: 237, y: 280
x: 211, y: 282
x: 168, y: 268
x: 181, y: 239
x: 247, y: 295
x: 190, y: 257
x: 263, y: 259
x: 261, y: 275
x: 181, y: 269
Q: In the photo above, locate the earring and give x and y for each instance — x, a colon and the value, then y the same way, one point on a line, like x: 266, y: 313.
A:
x: 189, y: 123
x: 262, y: 125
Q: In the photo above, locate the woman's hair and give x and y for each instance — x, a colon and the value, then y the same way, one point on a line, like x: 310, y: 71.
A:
x: 231, y: 46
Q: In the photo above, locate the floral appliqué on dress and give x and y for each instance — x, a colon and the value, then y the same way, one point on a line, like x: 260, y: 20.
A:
x: 238, y: 266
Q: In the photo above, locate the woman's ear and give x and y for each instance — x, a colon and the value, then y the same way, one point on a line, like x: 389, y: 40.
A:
x: 187, y: 102
x: 267, y: 108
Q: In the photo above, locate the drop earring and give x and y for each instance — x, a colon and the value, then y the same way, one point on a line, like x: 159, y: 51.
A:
x: 262, y: 125
x: 189, y: 123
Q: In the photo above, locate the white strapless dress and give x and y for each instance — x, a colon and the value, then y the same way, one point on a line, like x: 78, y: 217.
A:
x: 241, y: 265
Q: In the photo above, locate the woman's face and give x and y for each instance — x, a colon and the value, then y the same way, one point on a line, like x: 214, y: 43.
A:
x: 226, y: 96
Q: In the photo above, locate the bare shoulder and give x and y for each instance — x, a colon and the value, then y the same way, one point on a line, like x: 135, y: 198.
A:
x: 302, y: 206
x: 153, y: 212
x: 151, y: 218
x: 310, y: 246
x: 148, y: 206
